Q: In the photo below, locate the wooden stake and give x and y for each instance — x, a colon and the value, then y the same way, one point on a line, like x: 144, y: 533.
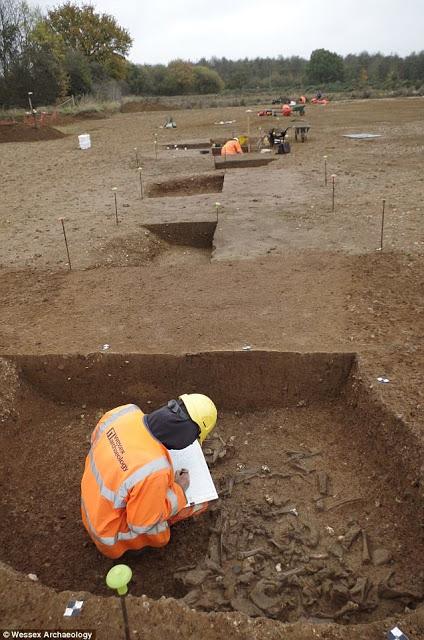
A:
x: 31, y: 108
x: 217, y: 205
x: 333, y: 177
x: 325, y: 170
x: 137, y: 161
x: 140, y: 169
x: 249, y: 111
x: 62, y: 220
x: 382, y: 225
x: 114, y: 189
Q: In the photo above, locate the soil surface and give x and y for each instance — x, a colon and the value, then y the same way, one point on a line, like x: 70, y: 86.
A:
x: 286, y: 273
x: 18, y: 132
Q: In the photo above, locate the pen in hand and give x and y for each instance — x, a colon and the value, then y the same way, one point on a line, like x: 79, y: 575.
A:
x: 182, y: 477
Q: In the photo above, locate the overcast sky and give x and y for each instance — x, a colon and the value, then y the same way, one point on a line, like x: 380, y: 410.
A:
x: 163, y: 30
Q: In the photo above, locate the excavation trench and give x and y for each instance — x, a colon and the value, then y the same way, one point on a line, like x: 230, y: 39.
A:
x: 187, y: 186
x: 245, y: 161
x: 208, y: 144
x: 198, y: 235
x: 312, y: 520
x: 188, y: 144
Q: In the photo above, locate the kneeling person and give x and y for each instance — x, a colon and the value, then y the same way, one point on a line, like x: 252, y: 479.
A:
x: 232, y: 147
x: 130, y: 494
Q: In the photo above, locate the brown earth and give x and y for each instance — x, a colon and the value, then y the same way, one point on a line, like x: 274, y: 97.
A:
x: 18, y: 132
x: 285, y: 274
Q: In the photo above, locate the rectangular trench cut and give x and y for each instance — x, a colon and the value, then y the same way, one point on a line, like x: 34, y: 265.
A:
x: 310, y: 523
x: 186, y: 186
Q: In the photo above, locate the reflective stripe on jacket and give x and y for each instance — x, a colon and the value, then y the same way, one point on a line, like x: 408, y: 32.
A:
x: 128, y: 491
x: 231, y: 147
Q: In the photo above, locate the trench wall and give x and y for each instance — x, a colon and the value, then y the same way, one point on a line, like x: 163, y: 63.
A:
x: 385, y: 437
x: 239, y: 380
x: 193, y: 234
x: 241, y: 162
x: 186, y: 186
x: 234, y: 379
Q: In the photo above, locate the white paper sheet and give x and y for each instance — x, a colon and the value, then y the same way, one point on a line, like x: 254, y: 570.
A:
x: 202, y: 488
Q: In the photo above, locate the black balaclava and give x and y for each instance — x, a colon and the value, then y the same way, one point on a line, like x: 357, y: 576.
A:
x: 172, y: 425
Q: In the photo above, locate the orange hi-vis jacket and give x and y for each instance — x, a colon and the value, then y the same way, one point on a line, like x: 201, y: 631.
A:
x: 128, y: 492
x: 231, y: 147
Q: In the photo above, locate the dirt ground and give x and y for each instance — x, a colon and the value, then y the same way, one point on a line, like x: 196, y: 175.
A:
x: 283, y: 272
x: 18, y: 132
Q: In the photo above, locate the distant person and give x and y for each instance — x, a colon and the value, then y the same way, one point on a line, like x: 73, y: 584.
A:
x: 170, y: 124
x: 271, y: 137
x: 318, y: 95
x: 302, y: 99
x: 231, y: 148
x: 286, y: 110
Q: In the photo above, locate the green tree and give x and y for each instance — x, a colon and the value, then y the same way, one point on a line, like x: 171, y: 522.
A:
x: 180, y: 78
x: 25, y: 63
x: 158, y: 78
x: 139, y: 79
x: 36, y: 70
x: 324, y: 66
x: 96, y: 36
x: 207, y: 80
x: 77, y: 69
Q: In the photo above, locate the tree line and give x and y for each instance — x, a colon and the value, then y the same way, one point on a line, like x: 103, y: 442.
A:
x: 324, y: 70
x: 74, y: 50
x: 66, y: 51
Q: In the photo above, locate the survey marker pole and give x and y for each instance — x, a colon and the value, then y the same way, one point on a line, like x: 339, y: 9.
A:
x: 115, y: 189
x: 249, y: 111
x: 333, y: 177
x: 62, y: 220
x: 382, y: 225
x: 118, y: 578
x: 140, y: 169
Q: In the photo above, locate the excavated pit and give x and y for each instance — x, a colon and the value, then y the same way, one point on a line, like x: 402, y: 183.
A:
x: 243, y: 162
x: 198, y: 235
x: 189, y: 144
x: 207, y: 144
x: 160, y: 243
x: 313, y: 474
x: 187, y: 186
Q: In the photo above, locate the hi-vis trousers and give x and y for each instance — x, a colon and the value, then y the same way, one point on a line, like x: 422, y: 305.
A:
x: 185, y: 513
x: 188, y: 512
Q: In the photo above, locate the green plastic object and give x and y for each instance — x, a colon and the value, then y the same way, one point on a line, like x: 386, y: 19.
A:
x: 118, y: 578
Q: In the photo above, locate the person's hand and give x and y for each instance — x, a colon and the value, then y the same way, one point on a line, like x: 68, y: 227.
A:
x: 182, y: 477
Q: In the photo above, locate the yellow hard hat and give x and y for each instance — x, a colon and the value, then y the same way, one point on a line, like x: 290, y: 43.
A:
x: 202, y: 411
